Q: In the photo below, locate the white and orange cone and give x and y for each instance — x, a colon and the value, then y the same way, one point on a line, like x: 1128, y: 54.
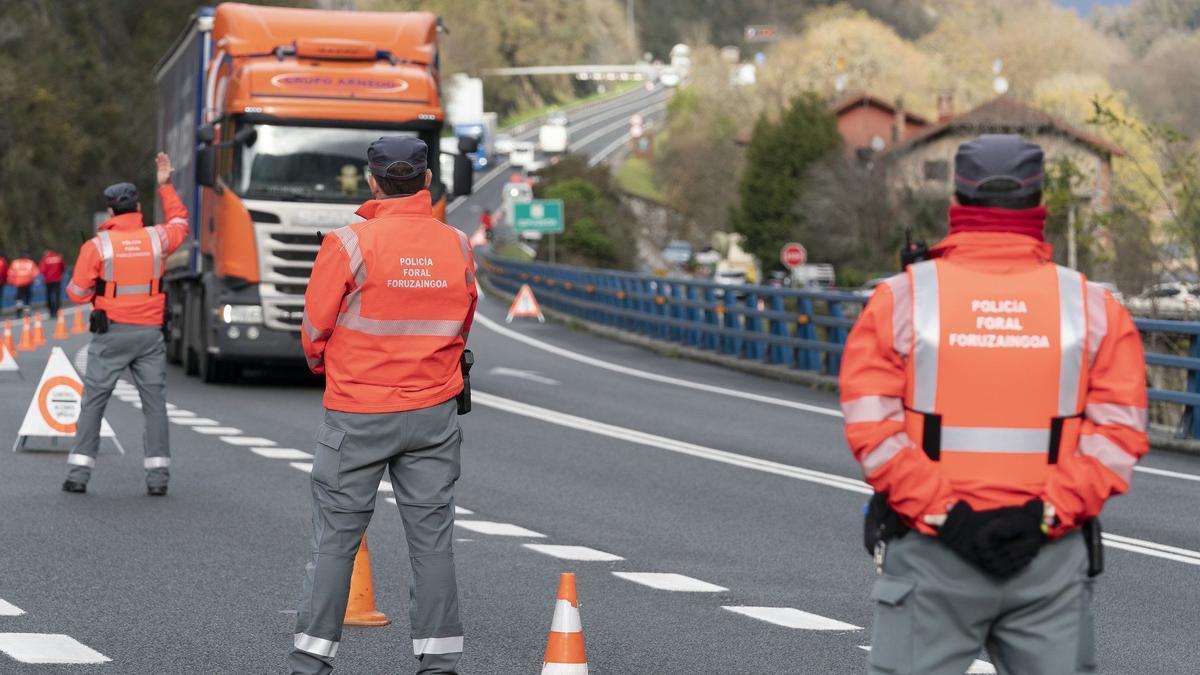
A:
x: 77, y: 326
x: 564, y: 648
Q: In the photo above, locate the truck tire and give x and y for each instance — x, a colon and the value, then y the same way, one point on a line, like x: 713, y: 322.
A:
x: 190, y: 355
x: 175, y: 324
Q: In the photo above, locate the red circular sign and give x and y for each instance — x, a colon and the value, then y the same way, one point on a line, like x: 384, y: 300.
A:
x: 793, y: 255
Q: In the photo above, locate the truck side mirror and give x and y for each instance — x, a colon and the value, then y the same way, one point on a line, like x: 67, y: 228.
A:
x: 464, y: 175
x: 206, y: 134
x: 246, y: 136
x: 467, y: 144
x: 206, y: 166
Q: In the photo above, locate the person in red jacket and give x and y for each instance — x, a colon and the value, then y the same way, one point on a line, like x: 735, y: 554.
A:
x: 120, y: 272
x: 22, y: 272
x: 995, y: 401
x: 3, y: 278
x: 386, y: 317
x: 52, y: 268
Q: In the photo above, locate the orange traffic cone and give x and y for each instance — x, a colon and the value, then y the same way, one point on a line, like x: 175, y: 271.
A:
x: 78, y: 326
x: 8, y: 336
x: 360, y: 611
x: 27, y: 344
x: 60, y: 326
x: 39, y: 334
x: 564, y: 647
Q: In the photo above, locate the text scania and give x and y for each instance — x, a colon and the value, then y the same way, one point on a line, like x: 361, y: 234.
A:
x: 999, y: 315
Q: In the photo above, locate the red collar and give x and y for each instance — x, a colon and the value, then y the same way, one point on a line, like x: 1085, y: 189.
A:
x: 1029, y: 222
x: 125, y: 221
x: 420, y: 204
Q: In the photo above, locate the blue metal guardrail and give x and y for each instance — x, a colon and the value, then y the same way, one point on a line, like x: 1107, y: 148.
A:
x: 794, y: 328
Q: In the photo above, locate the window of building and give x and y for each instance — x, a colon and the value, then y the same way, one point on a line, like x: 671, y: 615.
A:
x: 937, y: 169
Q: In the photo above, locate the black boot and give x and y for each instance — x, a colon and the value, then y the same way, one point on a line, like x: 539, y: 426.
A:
x: 74, y: 486
x: 156, y: 490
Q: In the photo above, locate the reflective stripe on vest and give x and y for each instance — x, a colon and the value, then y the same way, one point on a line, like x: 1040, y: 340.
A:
x: 103, y: 242
x: 156, y: 249
x: 349, y: 239
x: 902, y: 318
x: 78, y: 290
x: 1074, y: 333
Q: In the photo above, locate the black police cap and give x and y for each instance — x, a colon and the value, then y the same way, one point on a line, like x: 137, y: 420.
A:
x: 398, y: 157
x: 998, y: 165
x: 121, y: 196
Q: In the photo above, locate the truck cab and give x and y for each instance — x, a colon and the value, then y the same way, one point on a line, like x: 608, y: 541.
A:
x: 268, y: 112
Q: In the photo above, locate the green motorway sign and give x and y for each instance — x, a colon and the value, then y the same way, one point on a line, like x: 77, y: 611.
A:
x: 539, y: 215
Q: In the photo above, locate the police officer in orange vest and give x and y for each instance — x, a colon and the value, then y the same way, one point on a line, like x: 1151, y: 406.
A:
x: 120, y: 272
x: 22, y: 272
x: 386, y: 317
x: 995, y: 401
x: 52, y: 268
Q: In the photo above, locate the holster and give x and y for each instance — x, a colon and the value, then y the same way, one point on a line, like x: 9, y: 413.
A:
x: 464, y: 397
x: 881, y: 523
x: 1092, y: 536
x: 98, y: 323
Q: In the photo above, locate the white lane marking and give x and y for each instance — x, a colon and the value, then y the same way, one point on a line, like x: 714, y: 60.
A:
x: 9, y: 609
x: 616, y: 145
x: 791, y: 618
x: 281, y: 453
x: 194, y: 421
x: 669, y: 581
x: 1170, y: 474
x: 180, y: 413
x: 766, y: 466
x: 662, y: 442
x: 1150, y: 548
x: 172, y: 406
x: 458, y: 510
x: 577, y: 145
x: 385, y: 485
x: 580, y: 553
x: 497, y: 529
x: 653, y: 377
x: 247, y: 440
x: 306, y: 467
x: 531, y: 375
x: 977, y: 667
x: 48, y: 648
x: 709, y: 388
x: 218, y: 431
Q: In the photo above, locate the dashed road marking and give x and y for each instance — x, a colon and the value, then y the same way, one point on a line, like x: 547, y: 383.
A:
x: 791, y: 618
x: 180, y: 413
x: 218, y: 431
x: 580, y: 553
x: 302, y: 466
x: 247, y: 440
x: 9, y: 609
x: 1164, y: 472
x: 1150, y: 548
x: 977, y: 667
x: 281, y: 453
x: 669, y: 581
x: 458, y: 510
x: 48, y: 648
x: 497, y: 529
x: 194, y: 421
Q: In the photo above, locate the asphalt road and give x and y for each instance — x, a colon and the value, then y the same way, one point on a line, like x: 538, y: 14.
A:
x: 740, y: 487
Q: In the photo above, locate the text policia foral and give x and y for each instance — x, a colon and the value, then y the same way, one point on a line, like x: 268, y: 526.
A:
x: 999, y: 315
x: 417, y: 273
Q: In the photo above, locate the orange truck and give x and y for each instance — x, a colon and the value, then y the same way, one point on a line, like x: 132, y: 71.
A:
x: 267, y: 113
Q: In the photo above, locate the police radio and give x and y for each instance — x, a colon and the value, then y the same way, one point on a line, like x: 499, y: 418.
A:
x: 464, y: 398
x: 913, y: 251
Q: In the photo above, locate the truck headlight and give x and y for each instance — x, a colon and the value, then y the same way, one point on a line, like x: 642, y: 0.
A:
x: 242, y: 314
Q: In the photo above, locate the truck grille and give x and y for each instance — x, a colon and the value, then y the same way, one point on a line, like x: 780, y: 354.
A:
x: 286, y: 253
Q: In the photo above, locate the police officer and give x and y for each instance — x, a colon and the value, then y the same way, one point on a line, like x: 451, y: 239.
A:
x: 995, y: 401
x: 386, y: 317
x: 22, y: 272
x: 120, y: 272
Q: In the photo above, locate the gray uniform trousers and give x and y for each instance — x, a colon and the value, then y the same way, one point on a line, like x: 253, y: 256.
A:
x: 420, y: 448
x: 934, y: 611
x: 141, y: 349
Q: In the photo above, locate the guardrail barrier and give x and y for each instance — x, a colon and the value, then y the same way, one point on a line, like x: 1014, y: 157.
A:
x: 804, y: 329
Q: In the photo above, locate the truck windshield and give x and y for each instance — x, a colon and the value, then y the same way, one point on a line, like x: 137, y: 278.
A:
x: 318, y: 164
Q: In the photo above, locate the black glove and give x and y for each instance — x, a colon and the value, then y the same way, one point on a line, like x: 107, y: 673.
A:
x: 1001, y: 541
x: 881, y: 522
x: 1009, y: 541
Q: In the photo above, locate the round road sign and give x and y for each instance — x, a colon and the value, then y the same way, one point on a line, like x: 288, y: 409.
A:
x: 793, y: 255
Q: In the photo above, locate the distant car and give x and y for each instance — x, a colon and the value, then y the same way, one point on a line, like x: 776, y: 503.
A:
x: 523, y: 154
x: 1171, y: 300
x: 677, y: 252
x: 668, y: 79
x: 503, y: 144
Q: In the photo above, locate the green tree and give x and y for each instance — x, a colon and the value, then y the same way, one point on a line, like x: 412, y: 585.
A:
x: 777, y: 162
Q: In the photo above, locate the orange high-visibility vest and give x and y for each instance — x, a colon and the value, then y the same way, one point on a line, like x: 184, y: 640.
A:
x: 22, y: 272
x: 388, y: 309
x: 120, y: 270
x: 993, y: 376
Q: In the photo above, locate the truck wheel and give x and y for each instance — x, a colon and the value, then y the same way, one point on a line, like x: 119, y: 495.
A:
x: 175, y: 325
x: 190, y: 354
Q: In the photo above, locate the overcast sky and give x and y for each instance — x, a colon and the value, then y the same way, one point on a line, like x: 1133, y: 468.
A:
x: 1085, y: 6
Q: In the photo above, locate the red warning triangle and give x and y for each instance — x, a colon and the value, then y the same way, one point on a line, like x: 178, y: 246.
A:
x: 525, y: 305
